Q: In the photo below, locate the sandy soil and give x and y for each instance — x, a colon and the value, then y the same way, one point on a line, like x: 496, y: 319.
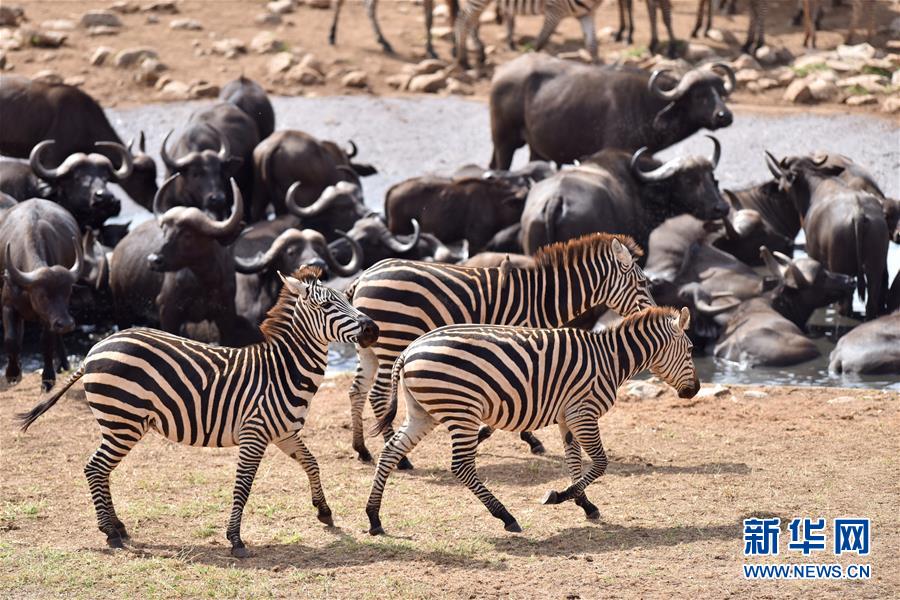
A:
x: 683, y: 475
x: 186, y: 53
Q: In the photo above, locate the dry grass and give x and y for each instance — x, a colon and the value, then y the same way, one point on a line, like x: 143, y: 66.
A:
x: 682, y: 476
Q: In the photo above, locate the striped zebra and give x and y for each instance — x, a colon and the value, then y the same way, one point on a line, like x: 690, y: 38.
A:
x: 863, y: 11
x: 554, y: 11
x: 407, y: 299
x: 756, y: 31
x: 211, y: 396
x: 665, y: 6
x: 520, y: 379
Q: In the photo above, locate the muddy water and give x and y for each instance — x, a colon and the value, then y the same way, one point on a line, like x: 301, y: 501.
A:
x: 407, y: 137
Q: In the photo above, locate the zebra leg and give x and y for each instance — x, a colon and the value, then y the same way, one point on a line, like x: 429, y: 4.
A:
x: 629, y: 4
x: 250, y: 454
x: 666, y: 6
x: 551, y: 21
x: 359, y: 390
x: 371, y: 5
x: 379, y: 399
x: 511, y: 32
x: 590, y: 35
x: 699, y: 22
x: 464, y: 441
x: 462, y: 31
x: 428, y: 5
x: 621, y: 30
x: 573, y: 462
x: 332, y: 34
x: 535, y: 444
x: 481, y: 53
x: 294, y: 447
x: 654, y: 38
x: 417, y: 425
x: 114, y: 446
x: 587, y: 435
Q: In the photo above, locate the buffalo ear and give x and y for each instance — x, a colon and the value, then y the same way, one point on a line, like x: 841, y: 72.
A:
x: 832, y: 170
x: 233, y: 164
x: 684, y: 318
x: 301, y: 288
x: 622, y: 254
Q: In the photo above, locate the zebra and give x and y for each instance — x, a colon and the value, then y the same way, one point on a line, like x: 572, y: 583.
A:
x: 407, y: 299
x: 863, y: 11
x: 756, y: 31
x: 554, y: 11
x: 210, y: 396
x: 665, y: 6
x: 520, y: 379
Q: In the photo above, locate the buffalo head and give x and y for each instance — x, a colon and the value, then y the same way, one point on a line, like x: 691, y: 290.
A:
x: 339, y: 206
x: 697, y: 98
x: 141, y: 186
x: 80, y: 183
x: 295, y: 248
x: 377, y: 241
x: 689, y: 183
x: 48, y: 289
x: 343, y: 158
x: 794, y: 173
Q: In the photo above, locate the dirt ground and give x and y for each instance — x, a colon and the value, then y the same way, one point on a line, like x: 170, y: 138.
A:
x: 188, y: 58
x: 683, y: 475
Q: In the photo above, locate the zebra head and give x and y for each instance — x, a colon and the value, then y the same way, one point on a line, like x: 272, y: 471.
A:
x: 325, y: 313
x: 673, y: 361
x: 626, y: 289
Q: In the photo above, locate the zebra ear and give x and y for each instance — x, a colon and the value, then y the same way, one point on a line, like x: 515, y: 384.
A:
x: 298, y: 287
x: 622, y: 254
x: 684, y: 319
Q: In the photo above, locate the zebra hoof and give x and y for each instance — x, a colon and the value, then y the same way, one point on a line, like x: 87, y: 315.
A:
x: 47, y: 385
x: 405, y: 465
x: 513, y: 527
x: 552, y: 497
x: 115, y: 543
x: 239, y: 552
x: 377, y: 530
x: 364, y: 456
x: 594, y: 515
x: 538, y: 449
x: 325, y: 517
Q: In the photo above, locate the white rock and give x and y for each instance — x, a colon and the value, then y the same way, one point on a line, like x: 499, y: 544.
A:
x: 697, y: 52
x: 891, y: 105
x: 47, y: 76
x: 304, y: 75
x: 861, y: 100
x: 784, y: 75
x: 874, y: 84
x: 149, y: 71
x: 755, y: 394
x: 457, y: 87
x: 132, y: 56
x: 723, y: 36
x: 809, y: 60
x: 859, y: 51
x: 767, y: 83
x: 229, y: 47
x: 58, y: 25
x: 280, y: 63
x: 94, y: 18
x: 176, y: 90
x: 798, y: 92
x: 841, y: 66
x: 204, y: 89
x: 265, y: 42
x: 355, y: 79
x: 640, y: 390
x: 267, y: 18
x: 823, y: 90
x: 745, y: 61
x: 747, y: 75
x: 312, y: 62
x: 428, y: 66
x: 99, y: 56
x: 75, y: 81
x: 429, y: 84
x: 185, y: 24
x: 43, y: 39
x: 124, y: 7
x: 103, y: 30
x: 280, y: 7
x: 895, y: 78
x: 399, y: 81
x: 716, y: 391
x: 767, y: 56
x: 442, y: 32
x: 441, y: 11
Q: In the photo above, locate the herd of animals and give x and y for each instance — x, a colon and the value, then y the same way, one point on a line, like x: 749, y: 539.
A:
x: 473, y: 298
x: 466, y: 22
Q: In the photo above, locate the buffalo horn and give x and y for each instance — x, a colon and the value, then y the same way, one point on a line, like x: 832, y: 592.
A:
x: 730, y: 80
x: 158, y: 207
x: 224, y: 145
x: 124, y: 170
x: 708, y: 309
x: 653, y: 86
x: 325, y: 200
x: 39, y: 169
x: 263, y: 260
x: 355, y: 262
x: 717, y: 150
x: 228, y: 227
x: 771, y: 263
x: 399, y: 247
x: 351, y: 149
x: 774, y: 168
x: 660, y: 173
x: 171, y: 165
x: 15, y: 275
x: 78, y: 266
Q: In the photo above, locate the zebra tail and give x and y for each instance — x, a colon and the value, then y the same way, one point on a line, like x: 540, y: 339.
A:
x: 26, y: 419
x: 388, y: 418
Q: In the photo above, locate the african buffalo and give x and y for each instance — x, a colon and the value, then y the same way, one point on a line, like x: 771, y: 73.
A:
x: 41, y: 261
x: 251, y: 98
x: 565, y: 111
x: 472, y: 209
x: 615, y: 192
x: 34, y: 111
x: 845, y: 228
x: 761, y: 215
x: 378, y: 243
x: 6, y: 201
x: 873, y: 347
x: 289, y: 156
x: 337, y: 208
x: 531, y: 173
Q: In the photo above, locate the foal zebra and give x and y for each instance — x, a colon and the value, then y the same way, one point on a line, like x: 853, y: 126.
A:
x: 554, y: 11
x: 211, y: 396
x: 407, y: 299
x: 519, y: 379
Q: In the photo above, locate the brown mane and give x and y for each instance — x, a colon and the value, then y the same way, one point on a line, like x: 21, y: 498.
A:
x: 566, y: 253
x: 286, y: 298
x: 649, y: 314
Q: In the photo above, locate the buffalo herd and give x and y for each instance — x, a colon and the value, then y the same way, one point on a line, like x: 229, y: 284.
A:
x: 241, y: 201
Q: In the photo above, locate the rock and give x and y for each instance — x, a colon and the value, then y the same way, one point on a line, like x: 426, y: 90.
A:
x: 723, y: 36
x: 895, y: 79
x: 874, y: 84
x: 400, y: 81
x: 428, y: 66
x: 746, y: 75
x: 176, y: 90
x: 96, y: 18
x: 124, y: 7
x: 103, y: 30
x: 580, y: 54
x: 280, y: 7
x: 48, y: 76
x: 755, y: 394
x: 696, y: 52
x: 784, y: 75
x: 58, y: 25
x: 745, y: 61
x: 355, y: 79
x: 716, y: 391
x: 634, y: 391
x: 891, y: 105
x: 280, y: 63
x: 312, y: 62
x: 798, y: 92
x: 304, y: 75
x: 185, y: 24
x: 767, y: 56
x: 823, y: 90
x: 895, y: 26
x: 11, y: 15
x: 45, y: 39
x: 152, y: 19
x: 428, y: 84
x: 320, y: 4
x: 858, y: 52
x: 861, y: 100
x: 767, y: 83
x: 166, y: 7
x: 840, y: 66
x: 148, y: 72
x: 441, y: 12
x: 267, y: 18
x: 204, y: 89
x: 99, y: 55
x: 265, y: 42
x: 457, y: 87
x: 8, y: 41
x: 74, y: 81
x: 229, y: 47
x: 893, y: 45
x: 132, y: 56
x: 162, y: 82
x: 808, y: 61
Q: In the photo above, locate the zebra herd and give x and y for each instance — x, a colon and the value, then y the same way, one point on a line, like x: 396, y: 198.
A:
x: 463, y: 346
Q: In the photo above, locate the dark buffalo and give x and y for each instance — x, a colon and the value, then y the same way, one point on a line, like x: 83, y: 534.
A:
x: 473, y: 209
x: 872, y: 347
x: 378, y: 243
x: 34, y: 111
x: 531, y: 173
x: 337, y: 208
x: 217, y: 144
x: 251, y: 98
x: 615, y: 192
x: 565, y: 111
x: 289, y: 156
x: 6, y: 201
x: 761, y: 215
x: 41, y: 261
x: 845, y: 228
x: 18, y: 181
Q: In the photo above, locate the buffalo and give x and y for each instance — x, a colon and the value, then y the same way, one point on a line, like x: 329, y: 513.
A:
x: 565, y: 111
x: 251, y: 98
x: 41, y: 260
x: 873, y: 347
x: 35, y: 111
x: 338, y: 208
x: 761, y: 215
x: 616, y: 192
x: 531, y: 173
x: 378, y: 243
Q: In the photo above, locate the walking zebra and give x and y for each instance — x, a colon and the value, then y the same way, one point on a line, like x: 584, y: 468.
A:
x: 407, y: 299
x: 665, y: 6
x: 210, y: 396
x: 756, y: 30
x: 519, y: 379
x: 554, y: 11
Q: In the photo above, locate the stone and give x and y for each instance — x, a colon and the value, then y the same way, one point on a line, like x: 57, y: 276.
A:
x: 441, y: 12
x: 823, y: 90
x: 429, y: 84
x: 581, y: 54
x: 716, y: 391
x: 766, y: 56
x: 809, y: 60
x: 755, y: 394
x: 894, y: 27
x: 99, y: 55
x: 428, y: 66
x: 148, y: 72
x: 874, y: 84
x: 132, y: 56
x: 280, y: 63
x: 124, y: 7
x: 162, y: 82
x: 895, y: 79
x: 97, y: 18
x: 745, y: 61
x: 267, y: 18
x: 784, y: 75
x: 634, y: 391
x: 103, y: 30
x: 58, y: 25
x: 45, y: 39
x: 722, y: 36
x: 858, y: 51
x: 458, y: 88
x: 861, y: 100
x: 47, y: 76
x: 312, y: 62
x: 11, y: 15
x: 229, y: 47
x: 185, y: 25
x: 798, y: 92
x: 399, y: 81
x: 841, y: 66
x: 746, y: 75
x: 891, y: 105
x: 319, y: 4
x: 304, y: 75
x: 696, y: 52
x: 355, y: 79
x: 280, y: 7
x: 166, y: 7
x: 767, y: 83
x: 204, y: 89
x: 74, y: 81
x: 265, y: 42
x: 176, y: 90
x: 152, y: 19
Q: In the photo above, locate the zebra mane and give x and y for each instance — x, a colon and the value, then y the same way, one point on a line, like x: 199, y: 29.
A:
x: 562, y: 254
x: 652, y: 313
x: 284, y: 307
